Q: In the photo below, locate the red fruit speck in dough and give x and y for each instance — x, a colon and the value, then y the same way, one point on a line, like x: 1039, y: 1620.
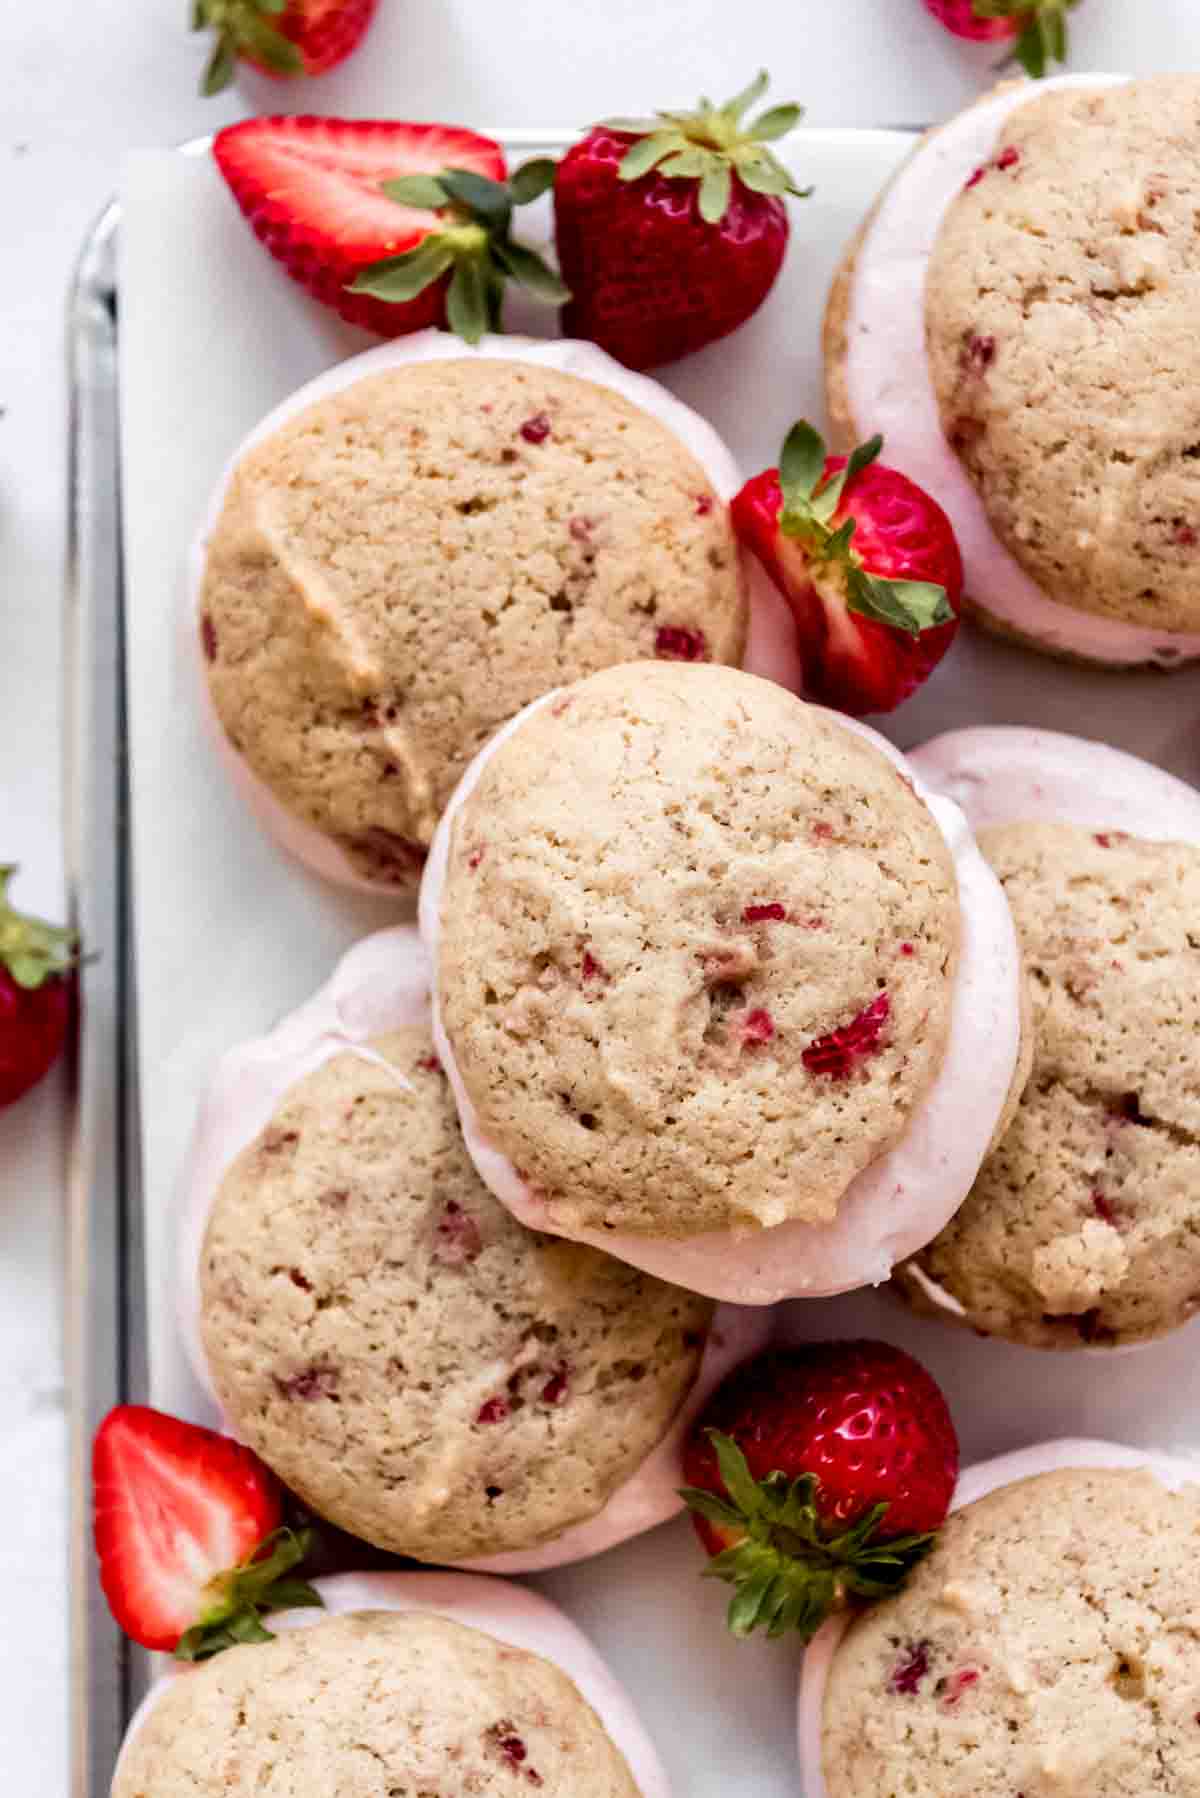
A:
x: 704, y: 504
x: 474, y: 859
x: 765, y: 914
x: 1185, y: 536
x: 590, y: 968
x: 980, y: 353
x: 1008, y: 157
x: 494, y: 1410
x: 537, y: 428
x: 555, y: 1389
x: 672, y: 643
x: 836, y: 1054
x: 208, y: 636
x: 1103, y: 1208
x: 317, y: 1381
x: 957, y: 1684
x: 580, y: 529
x: 430, y: 1064
x: 822, y: 831
x: 457, y: 1237
x: 907, y: 949
x: 757, y: 1027
x: 910, y: 1670
x: 976, y: 177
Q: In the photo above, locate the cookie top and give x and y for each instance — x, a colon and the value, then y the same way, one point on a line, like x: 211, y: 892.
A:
x: 696, y: 953
x: 1061, y: 332
x: 368, y: 1705
x: 1084, y: 1223
x: 405, y: 564
x: 1047, y: 1646
x: 422, y: 1369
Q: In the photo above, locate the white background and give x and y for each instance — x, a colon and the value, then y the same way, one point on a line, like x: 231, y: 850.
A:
x: 78, y: 87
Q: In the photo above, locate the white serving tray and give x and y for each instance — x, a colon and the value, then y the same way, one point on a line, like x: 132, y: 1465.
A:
x: 230, y: 934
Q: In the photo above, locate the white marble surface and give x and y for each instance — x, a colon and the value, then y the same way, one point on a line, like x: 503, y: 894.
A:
x: 80, y: 86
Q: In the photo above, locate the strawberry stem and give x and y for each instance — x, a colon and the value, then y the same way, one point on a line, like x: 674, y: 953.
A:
x: 1043, y: 36
x: 239, y: 1599
x: 787, y: 1573
x: 475, y: 249
x: 243, y: 28
x: 32, y: 950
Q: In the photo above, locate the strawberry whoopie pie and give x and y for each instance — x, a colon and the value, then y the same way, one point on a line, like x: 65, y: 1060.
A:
x: 719, y: 989
x: 1017, y: 317
x: 393, y: 1680
x: 421, y: 1368
x: 1082, y: 1227
x: 1045, y: 1645
x: 422, y: 541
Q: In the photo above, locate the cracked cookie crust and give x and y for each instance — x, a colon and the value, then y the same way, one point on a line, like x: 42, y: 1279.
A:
x: 1084, y: 1224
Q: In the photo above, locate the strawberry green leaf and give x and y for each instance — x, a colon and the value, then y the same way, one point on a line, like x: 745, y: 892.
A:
x: 647, y: 154
x: 404, y: 277
x: 468, y: 312
x: 532, y: 180
x: 529, y: 269
x: 776, y: 123
x: 736, y: 108
x: 835, y: 486
x: 488, y: 202
x: 691, y: 161
x: 766, y: 177
x: 716, y: 190
x: 241, y: 1598
x: 423, y: 191
x: 256, y: 38
x: 744, y: 1490
x: 707, y: 1504
x: 801, y: 463
x: 909, y: 606
x: 219, y: 69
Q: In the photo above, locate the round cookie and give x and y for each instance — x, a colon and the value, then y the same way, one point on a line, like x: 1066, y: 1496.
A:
x: 1046, y: 1645
x: 1083, y: 1226
x: 422, y: 1369
x: 399, y: 567
x: 1012, y: 246
x: 696, y: 953
x: 368, y: 1704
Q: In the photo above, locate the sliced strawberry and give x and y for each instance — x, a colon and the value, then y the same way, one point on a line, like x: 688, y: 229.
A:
x: 397, y: 227
x: 671, y: 231
x: 37, y: 995
x: 280, y: 37
x: 188, y: 1533
x: 817, y: 1476
x: 1037, y: 28
x: 868, y: 563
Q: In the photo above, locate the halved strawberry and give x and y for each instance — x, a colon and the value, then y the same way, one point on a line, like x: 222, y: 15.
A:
x: 396, y: 226
x: 868, y: 562
x: 280, y: 37
x: 188, y: 1528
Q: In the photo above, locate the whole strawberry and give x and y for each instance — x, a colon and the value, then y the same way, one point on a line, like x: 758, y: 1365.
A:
x: 396, y: 226
x: 280, y: 37
x: 670, y: 232
x: 817, y: 1476
x: 868, y: 562
x: 37, y: 995
x: 1037, y: 29
x: 189, y: 1534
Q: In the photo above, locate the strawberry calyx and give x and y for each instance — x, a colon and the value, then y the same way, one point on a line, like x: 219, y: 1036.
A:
x: 475, y: 246
x: 811, y: 500
x: 788, y: 1574
x: 712, y: 145
x: 31, y: 950
x: 236, y: 1602
x: 1043, y: 34
x: 244, y: 28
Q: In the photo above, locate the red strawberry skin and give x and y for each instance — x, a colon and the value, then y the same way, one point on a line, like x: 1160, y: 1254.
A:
x: 311, y: 189
x: 854, y: 663
x: 650, y: 280
x: 324, y: 31
x: 862, y: 1417
x: 34, y: 1024
x: 960, y: 17
x: 175, y: 1505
